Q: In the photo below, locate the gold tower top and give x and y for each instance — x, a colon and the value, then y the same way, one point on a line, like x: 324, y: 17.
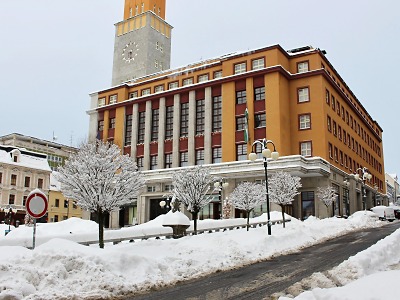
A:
x: 135, y: 7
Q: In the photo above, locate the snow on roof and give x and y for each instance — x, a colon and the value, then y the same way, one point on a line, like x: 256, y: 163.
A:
x: 27, y: 159
x: 55, y: 185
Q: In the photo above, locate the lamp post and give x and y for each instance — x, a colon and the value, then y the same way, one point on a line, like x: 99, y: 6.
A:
x: 220, y: 185
x: 365, y: 176
x: 347, y: 203
x: 266, y: 153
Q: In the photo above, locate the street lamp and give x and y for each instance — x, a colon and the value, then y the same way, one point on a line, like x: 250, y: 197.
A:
x: 220, y: 185
x: 347, y: 201
x: 266, y: 153
x: 365, y: 176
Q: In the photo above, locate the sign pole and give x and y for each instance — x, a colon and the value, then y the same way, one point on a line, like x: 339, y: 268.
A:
x: 34, y: 234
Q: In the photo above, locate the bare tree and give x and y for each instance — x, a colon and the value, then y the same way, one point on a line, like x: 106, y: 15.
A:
x: 100, y: 179
x: 282, y: 188
x: 191, y: 187
x: 247, y: 196
x: 226, y: 209
x: 327, y: 195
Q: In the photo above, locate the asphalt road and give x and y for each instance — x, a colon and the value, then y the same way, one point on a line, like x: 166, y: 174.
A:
x: 260, y: 280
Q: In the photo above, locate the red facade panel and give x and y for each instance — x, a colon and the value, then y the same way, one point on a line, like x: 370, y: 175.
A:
x: 216, y: 139
x: 168, y: 147
x: 200, y: 94
x: 153, y: 148
x: 139, y: 150
x: 199, y: 142
x: 183, y: 145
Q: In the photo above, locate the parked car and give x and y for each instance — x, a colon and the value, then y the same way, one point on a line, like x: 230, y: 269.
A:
x: 384, y: 212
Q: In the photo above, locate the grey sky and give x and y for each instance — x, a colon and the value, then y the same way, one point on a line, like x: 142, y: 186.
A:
x: 54, y: 53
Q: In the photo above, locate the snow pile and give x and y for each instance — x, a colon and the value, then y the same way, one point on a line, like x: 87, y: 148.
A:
x: 62, y: 269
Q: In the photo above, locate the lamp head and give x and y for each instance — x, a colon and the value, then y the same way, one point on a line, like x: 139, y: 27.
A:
x: 266, y: 153
x: 225, y: 185
x: 275, y: 155
x: 162, y: 203
x: 252, y: 156
x: 216, y: 184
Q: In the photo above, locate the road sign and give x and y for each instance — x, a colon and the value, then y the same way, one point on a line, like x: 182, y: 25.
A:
x: 36, y: 204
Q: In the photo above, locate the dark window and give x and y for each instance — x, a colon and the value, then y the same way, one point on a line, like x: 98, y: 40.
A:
x: 100, y: 126
x: 240, y: 97
x: 1, y: 177
x: 55, y: 218
x: 24, y: 200
x: 168, y: 160
x: 184, y: 119
x: 13, y: 179
x: 128, y: 130
x: 65, y: 203
x: 327, y: 97
x: 11, y: 199
x: 200, y: 157
x: 241, y: 152
x: 169, y: 122
x: 40, y: 183
x: 200, y: 113
x: 27, y: 181
x: 153, y: 162
x: 57, y: 203
x: 260, y: 120
x: 217, y: 114
x: 217, y: 155
x: 307, y: 204
x: 141, y: 127
x: 259, y: 93
x: 240, y: 123
x: 329, y: 124
x: 154, y: 125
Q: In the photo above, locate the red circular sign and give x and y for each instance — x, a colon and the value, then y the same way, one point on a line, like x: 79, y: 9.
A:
x: 36, y: 205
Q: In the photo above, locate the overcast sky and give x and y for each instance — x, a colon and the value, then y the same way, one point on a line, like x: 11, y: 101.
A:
x: 54, y: 53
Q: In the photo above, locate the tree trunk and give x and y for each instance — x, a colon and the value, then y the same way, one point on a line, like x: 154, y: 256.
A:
x: 283, y: 215
x: 194, y: 216
x: 100, y: 219
x: 248, y: 220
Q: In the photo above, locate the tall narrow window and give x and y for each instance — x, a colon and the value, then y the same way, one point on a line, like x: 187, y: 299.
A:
x: 11, y: 199
x: 112, y: 123
x: 240, y: 97
x: 153, y: 162
x: 303, y: 95
x: 240, y: 123
x: 217, y: 155
x: 154, y: 125
x: 327, y: 97
x: 200, y: 113
x: 217, y: 114
x: 40, y: 183
x: 259, y: 93
x: 184, y: 119
x: 184, y: 159
x: 128, y: 130
x: 168, y: 160
x: 307, y: 204
x: 100, y: 126
x: 241, y: 152
x: 140, y: 163
x: 200, y: 157
x: 1, y: 177
x: 169, y: 122
x: 141, y: 127
x: 27, y: 181
x: 13, y: 179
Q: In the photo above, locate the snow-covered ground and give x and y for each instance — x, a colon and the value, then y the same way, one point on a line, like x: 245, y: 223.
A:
x: 59, y: 268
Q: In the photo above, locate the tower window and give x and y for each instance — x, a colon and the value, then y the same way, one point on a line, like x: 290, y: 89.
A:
x: 142, y: 7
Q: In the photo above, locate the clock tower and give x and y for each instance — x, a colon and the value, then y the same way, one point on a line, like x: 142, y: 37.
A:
x: 142, y: 41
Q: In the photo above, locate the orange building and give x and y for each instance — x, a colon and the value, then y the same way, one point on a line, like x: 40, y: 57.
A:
x: 201, y: 114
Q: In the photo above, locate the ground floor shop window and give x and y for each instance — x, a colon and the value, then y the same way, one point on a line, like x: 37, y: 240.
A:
x: 307, y: 204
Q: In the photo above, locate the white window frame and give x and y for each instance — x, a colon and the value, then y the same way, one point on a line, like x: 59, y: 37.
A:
x: 159, y: 88
x: 113, y: 99
x: 133, y: 95
x: 306, y: 148
x: 203, y: 78
x: 187, y: 81
x: 101, y: 102
x: 217, y: 74
x: 305, y: 121
x: 240, y: 68
x: 173, y: 85
x: 303, y: 94
x: 146, y: 92
x: 302, y: 67
x: 258, y: 63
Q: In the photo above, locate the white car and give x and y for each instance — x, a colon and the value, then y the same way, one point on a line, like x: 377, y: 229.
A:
x: 384, y: 212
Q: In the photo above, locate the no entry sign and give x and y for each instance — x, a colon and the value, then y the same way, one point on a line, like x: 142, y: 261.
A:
x: 36, y: 204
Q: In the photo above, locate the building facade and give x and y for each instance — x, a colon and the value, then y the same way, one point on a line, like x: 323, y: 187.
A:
x: 21, y: 171
x: 211, y: 112
x: 56, y: 153
x: 60, y: 207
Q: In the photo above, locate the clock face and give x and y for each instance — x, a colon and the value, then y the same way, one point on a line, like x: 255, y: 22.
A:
x: 130, y: 52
